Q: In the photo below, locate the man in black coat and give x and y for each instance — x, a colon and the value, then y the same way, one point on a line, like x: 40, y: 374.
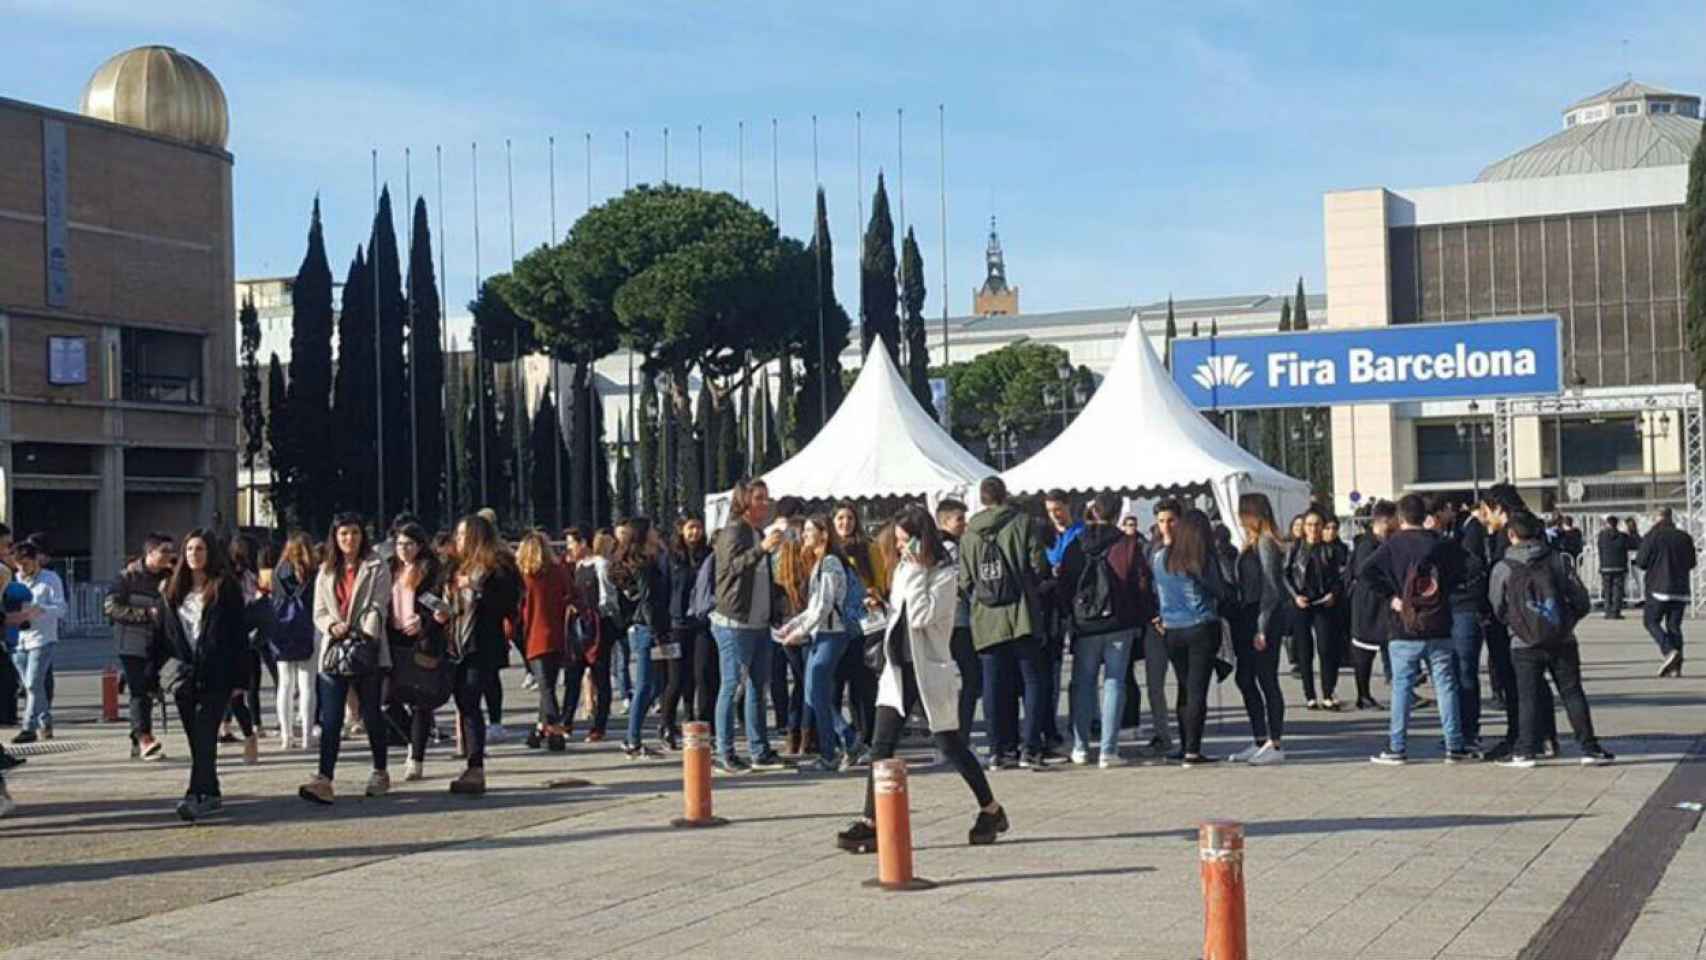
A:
x: 1667, y: 559
x: 1613, y: 548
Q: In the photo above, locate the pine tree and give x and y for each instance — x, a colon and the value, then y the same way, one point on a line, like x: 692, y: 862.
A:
x: 307, y: 478
x: 254, y: 415
x: 278, y: 433
x: 395, y: 441
x: 355, y: 436
x: 1169, y: 335
x: 1299, y: 309
x: 647, y: 469
x: 917, y: 340
x: 1694, y: 260
x: 877, y: 278
x: 426, y: 364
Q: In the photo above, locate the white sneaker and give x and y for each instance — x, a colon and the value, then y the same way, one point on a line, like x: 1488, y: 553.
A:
x: 413, y: 770
x: 496, y: 733
x: 1110, y: 760
x: 1080, y: 758
x: 528, y: 683
x: 1267, y: 755
x: 1245, y: 755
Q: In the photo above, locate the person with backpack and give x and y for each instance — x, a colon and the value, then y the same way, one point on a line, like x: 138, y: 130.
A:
x: 294, y: 640
x: 1368, y: 615
x: 747, y: 609
x: 689, y: 688
x: 641, y: 573
x: 131, y: 603
x: 1311, y: 580
x: 1110, y: 602
x: 1413, y: 575
x: 1613, y: 550
x: 1001, y: 563
x: 1257, y: 624
x: 951, y: 520
x: 1536, y: 593
x: 1499, y: 503
x: 1667, y: 557
x: 835, y: 605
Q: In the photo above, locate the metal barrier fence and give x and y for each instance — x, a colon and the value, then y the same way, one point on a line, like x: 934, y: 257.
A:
x: 83, y: 614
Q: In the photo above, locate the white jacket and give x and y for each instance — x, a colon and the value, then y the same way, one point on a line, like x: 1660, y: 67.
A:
x: 48, y: 593
x: 927, y: 598
x: 367, y: 608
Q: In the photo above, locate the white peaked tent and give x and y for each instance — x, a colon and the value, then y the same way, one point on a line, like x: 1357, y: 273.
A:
x: 879, y: 443
x: 1139, y: 433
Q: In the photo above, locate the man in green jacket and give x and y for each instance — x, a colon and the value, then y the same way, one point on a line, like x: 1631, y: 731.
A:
x: 1001, y: 563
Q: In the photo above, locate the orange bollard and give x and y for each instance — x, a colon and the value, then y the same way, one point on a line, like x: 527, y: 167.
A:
x: 1220, y: 845
x: 894, y: 829
x: 109, y: 695
x: 696, y: 778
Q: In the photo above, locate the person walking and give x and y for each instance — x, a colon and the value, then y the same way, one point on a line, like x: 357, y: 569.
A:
x: 1189, y: 590
x: 1001, y: 565
x: 747, y: 605
x: 38, y: 636
x: 1413, y: 575
x: 547, y: 594
x: 1110, y: 601
x: 612, y: 628
x: 588, y: 633
x: 201, y: 633
x: 1065, y: 555
x: 485, y: 596
x: 132, y: 603
x: 1368, y: 616
x: 1666, y: 557
x: 246, y: 697
x: 1314, y: 590
x: 350, y: 599
x: 1536, y: 593
x: 1613, y: 550
x: 951, y: 521
x: 852, y: 676
x: 692, y: 683
x: 917, y: 668
x: 824, y: 628
x: 295, y: 640
x: 1257, y: 624
x: 418, y: 616
x: 641, y: 573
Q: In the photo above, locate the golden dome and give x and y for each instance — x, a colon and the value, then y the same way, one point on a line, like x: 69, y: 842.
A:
x: 162, y: 91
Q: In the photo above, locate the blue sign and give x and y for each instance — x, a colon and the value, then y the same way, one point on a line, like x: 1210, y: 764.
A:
x: 1424, y: 361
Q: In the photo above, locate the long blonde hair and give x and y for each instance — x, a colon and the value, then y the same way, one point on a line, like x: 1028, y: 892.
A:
x: 534, y: 556
x: 1256, y: 516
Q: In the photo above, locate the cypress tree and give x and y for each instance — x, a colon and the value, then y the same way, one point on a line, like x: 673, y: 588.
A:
x: 646, y: 467
x: 769, y: 440
x: 693, y: 460
x: 278, y: 433
x: 1694, y: 259
x: 743, y: 458
x: 254, y: 415
x: 545, y: 443
x: 877, y: 278
x: 1169, y: 335
x: 728, y: 446
x: 784, y: 422
x: 624, y: 475
x: 816, y: 405
x: 467, y: 450
x: 426, y: 363
x: 1196, y: 331
x: 917, y: 341
x: 356, y: 434
x: 307, y: 478
x: 385, y: 270
x: 1299, y: 309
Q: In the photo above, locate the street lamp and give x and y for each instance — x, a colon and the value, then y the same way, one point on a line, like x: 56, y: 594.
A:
x: 1002, y: 443
x: 1471, y: 432
x: 1070, y: 399
x: 1658, y: 430
x: 1308, y: 434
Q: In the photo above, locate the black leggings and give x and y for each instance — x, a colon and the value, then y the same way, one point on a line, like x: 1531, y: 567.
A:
x: 678, y: 679
x: 1191, y: 651
x: 1363, y: 662
x: 492, y: 687
x: 1314, y: 632
x: 701, y: 649
x: 1258, y: 677
x: 860, y: 685
x: 950, y: 743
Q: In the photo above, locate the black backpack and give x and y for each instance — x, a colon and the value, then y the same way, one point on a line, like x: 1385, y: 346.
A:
x: 1093, y: 598
x: 1542, y: 601
x: 997, y: 583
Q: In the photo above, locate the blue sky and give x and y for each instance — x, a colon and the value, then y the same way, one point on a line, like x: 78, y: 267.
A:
x: 1129, y: 150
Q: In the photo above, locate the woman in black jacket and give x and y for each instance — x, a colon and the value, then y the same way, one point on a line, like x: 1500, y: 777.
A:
x: 1314, y: 586
x: 693, y: 672
x: 641, y: 572
x: 200, y: 628
x: 1368, y: 621
x: 1257, y: 625
x: 486, y: 591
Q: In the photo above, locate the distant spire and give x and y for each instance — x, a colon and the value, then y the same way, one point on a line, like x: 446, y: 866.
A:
x: 996, y: 281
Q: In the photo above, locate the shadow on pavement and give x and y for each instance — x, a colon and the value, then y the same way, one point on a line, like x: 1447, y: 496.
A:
x: 1056, y: 875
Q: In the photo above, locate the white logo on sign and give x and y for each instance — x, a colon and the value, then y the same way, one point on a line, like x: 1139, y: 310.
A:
x: 1222, y: 371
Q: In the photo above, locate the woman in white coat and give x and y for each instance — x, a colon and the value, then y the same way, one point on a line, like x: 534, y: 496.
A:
x: 917, y: 666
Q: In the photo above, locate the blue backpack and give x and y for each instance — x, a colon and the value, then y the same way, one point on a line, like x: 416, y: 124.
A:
x: 704, y: 598
x: 853, y: 600
x: 292, y: 636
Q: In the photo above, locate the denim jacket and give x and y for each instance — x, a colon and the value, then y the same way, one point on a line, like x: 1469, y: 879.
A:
x: 1186, y: 600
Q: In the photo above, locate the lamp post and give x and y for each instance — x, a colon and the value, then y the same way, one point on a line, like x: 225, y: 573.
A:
x: 1071, y: 398
x: 1653, y: 431
x: 1003, y: 442
x: 1471, y: 432
x: 1308, y: 434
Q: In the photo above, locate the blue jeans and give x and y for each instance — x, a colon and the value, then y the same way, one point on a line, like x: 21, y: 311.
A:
x: 1109, y: 654
x: 621, y: 659
x: 1466, y: 661
x: 1407, y: 656
x: 745, y: 657
x: 640, y: 648
x: 33, y: 668
x: 825, y: 653
x: 1007, y: 666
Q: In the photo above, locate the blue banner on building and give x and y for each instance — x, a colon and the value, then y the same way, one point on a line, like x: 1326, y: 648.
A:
x: 1432, y: 361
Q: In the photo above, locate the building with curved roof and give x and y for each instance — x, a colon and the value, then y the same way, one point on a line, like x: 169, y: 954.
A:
x: 1626, y: 127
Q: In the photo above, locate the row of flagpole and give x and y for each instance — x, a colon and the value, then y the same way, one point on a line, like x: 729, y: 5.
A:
x: 517, y: 390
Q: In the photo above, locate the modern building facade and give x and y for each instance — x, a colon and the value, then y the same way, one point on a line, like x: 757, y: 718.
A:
x: 1586, y: 225
x: 118, y: 389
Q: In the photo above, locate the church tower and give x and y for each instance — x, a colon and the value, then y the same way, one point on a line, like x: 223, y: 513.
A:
x: 995, y: 297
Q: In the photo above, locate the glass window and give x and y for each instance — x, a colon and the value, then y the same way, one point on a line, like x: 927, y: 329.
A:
x: 1625, y: 109
x: 1658, y: 106
x: 163, y: 462
x: 161, y: 367
x: 1443, y: 457
x: 54, y: 459
x: 1594, y: 447
x: 1570, y: 120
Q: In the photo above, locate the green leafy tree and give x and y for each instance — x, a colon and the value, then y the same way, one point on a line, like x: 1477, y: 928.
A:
x: 1004, y: 389
x: 912, y: 302
x: 353, y: 399
x: 254, y: 416
x: 307, y: 479
x: 278, y: 432
x: 879, y: 296
x: 426, y: 365
x: 1694, y: 258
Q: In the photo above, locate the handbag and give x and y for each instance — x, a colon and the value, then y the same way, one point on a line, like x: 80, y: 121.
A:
x: 356, y: 655
x: 419, y: 678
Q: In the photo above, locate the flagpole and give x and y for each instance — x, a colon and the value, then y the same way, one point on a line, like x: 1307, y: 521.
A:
x: 409, y: 286
x: 627, y: 180
x: 443, y: 335
x: 479, y: 350
x: 859, y: 196
x: 591, y: 384
x: 699, y: 135
x: 817, y: 241
x: 378, y: 354
x: 666, y: 155
x: 556, y: 363
x: 775, y: 178
x: 518, y: 397
x: 942, y: 185
x: 900, y: 193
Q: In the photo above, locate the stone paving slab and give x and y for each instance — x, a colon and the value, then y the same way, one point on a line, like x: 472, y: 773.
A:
x: 1345, y: 859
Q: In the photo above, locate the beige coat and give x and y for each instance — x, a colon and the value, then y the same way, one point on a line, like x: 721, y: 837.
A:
x: 929, y: 597
x: 367, y: 609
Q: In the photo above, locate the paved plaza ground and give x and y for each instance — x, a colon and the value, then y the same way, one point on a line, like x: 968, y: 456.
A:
x: 1345, y: 859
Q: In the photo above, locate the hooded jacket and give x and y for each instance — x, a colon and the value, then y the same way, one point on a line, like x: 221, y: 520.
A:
x: 130, y: 604
x: 1005, y: 529
x: 1133, y: 591
x: 1534, y: 551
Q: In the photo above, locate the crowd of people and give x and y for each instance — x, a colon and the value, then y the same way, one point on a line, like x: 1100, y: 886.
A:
x: 848, y: 631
